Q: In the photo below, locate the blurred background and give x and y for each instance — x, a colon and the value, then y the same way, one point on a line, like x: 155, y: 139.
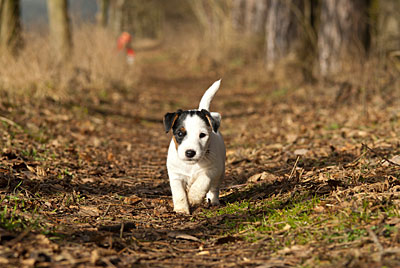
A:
x: 56, y: 46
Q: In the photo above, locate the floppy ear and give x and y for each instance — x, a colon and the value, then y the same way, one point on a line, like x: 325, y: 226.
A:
x: 214, y: 119
x: 169, y: 120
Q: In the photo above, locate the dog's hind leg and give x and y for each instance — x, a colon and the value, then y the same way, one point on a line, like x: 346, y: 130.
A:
x: 213, y: 197
x: 179, y: 196
x: 213, y: 193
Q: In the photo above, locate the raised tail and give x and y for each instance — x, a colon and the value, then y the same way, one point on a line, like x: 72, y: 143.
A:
x: 209, y: 95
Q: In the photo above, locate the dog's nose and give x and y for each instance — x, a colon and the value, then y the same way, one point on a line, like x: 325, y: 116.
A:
x: 190, y: 153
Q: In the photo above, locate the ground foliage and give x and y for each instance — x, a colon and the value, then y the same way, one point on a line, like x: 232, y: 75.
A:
x: 312, y: 176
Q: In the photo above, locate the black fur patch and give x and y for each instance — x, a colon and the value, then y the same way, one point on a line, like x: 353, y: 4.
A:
x: 210, y: 120
x: 175, y: 121
x: 170, y: 119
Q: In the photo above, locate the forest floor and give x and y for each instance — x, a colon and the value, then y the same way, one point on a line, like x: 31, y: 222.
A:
x: 312, y: 177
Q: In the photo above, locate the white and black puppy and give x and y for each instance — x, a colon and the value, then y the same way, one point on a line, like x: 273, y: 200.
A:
x: 196, y: 154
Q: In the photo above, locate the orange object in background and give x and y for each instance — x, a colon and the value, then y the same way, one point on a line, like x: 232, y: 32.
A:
x: 123, y: 44
x: 123, y: 40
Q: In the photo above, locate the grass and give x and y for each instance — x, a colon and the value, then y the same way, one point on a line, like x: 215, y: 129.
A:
x: 303, y: 221
x: 94, y: 66
x: 19, y: 213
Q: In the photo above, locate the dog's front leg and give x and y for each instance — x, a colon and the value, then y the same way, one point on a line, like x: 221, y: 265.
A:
x: 179, y: 197
x: 198, y: 190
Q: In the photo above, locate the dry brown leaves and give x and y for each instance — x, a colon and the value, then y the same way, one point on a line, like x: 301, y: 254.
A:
x: 95, y: 176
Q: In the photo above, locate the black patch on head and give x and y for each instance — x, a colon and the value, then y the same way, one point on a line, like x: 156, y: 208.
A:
x: 210, y: 120
x: 175, y: 121
x: 179, y: 135
x: 178, y: 129
x: 170, y: 119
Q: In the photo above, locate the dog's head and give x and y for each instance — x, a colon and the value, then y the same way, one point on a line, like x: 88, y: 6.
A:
x: 191, y: 132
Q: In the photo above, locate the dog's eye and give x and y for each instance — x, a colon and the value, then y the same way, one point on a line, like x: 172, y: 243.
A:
x: 180, y: 134
x: 202, y: 135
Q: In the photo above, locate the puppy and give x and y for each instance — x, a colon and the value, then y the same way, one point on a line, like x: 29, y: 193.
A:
x: 196, y: 154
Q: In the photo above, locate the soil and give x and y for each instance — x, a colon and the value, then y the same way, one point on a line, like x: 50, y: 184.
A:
x: 83, y: 181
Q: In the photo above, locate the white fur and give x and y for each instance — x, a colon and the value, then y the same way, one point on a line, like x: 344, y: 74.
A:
x: 209, y: 95
x: 192, y: 179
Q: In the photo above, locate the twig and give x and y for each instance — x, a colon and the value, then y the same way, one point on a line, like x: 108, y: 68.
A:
x: 234, y: 186
x: 377, y: 243
x: 381, y: 156
x: 355, y: 160
x: 121, y: 231
x: 108, y: 209
x: 294, y: 168
x: 388, y: 251
x: 20, y: 236
x: 10, y: 122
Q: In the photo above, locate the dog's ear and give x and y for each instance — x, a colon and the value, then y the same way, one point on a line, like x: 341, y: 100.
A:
x: 214, y: 119
x: 169, y: 120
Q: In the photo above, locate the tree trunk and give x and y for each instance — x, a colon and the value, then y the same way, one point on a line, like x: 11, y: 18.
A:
x: 281, y: 29
x: 343, y: 32
x: 255, y: 16
x: 238, y: 8
x: 249, y: 15
x: 60, y: 33
x: 102, y: 15
x: 10, y: 26
x: 116, y: 16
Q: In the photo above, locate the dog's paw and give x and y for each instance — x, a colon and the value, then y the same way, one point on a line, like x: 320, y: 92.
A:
x: 213, y: 202
x: 212, y: 198
x: 182, y: 211
x: 195, y: 199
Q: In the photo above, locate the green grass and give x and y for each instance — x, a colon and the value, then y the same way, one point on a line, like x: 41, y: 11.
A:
x: 18, y: 214
x: 299, y: 222
x: 333, y: 126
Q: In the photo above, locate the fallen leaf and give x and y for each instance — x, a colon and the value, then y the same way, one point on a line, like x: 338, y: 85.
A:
x: 393, y: 221
x: 131, y: 200
x: 255, y: 178
x: 275, y: 146
x: 319, y: 209
x: 395, y: 159
x: 3, y: 260
x: 40, y: 171
x: 110, y: 157
x: 89, y: 211
x: 183, y: 236
x: 29, y: 262
x: 264, y: 176
x: 291, y: 138
x: 301, y: 151
x: 94, y: 256
x: 286, y: 228
x: 297, y: 250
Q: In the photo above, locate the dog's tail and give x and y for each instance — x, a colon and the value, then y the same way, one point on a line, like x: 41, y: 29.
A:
x: 209, y: 95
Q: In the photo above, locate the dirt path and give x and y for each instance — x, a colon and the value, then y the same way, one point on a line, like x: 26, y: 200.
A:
x: 83, y: 183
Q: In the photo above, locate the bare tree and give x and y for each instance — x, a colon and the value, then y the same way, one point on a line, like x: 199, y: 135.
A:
x: 102, y: 15
x: 116, y: 16
x: 238, y: 8
x: 60, y: 32
x: 249, y: 15
x: 212, y: 16
x: 281, y: 29
x: 10, y: 25
x: 256, y: 14
x: 343, y: 31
